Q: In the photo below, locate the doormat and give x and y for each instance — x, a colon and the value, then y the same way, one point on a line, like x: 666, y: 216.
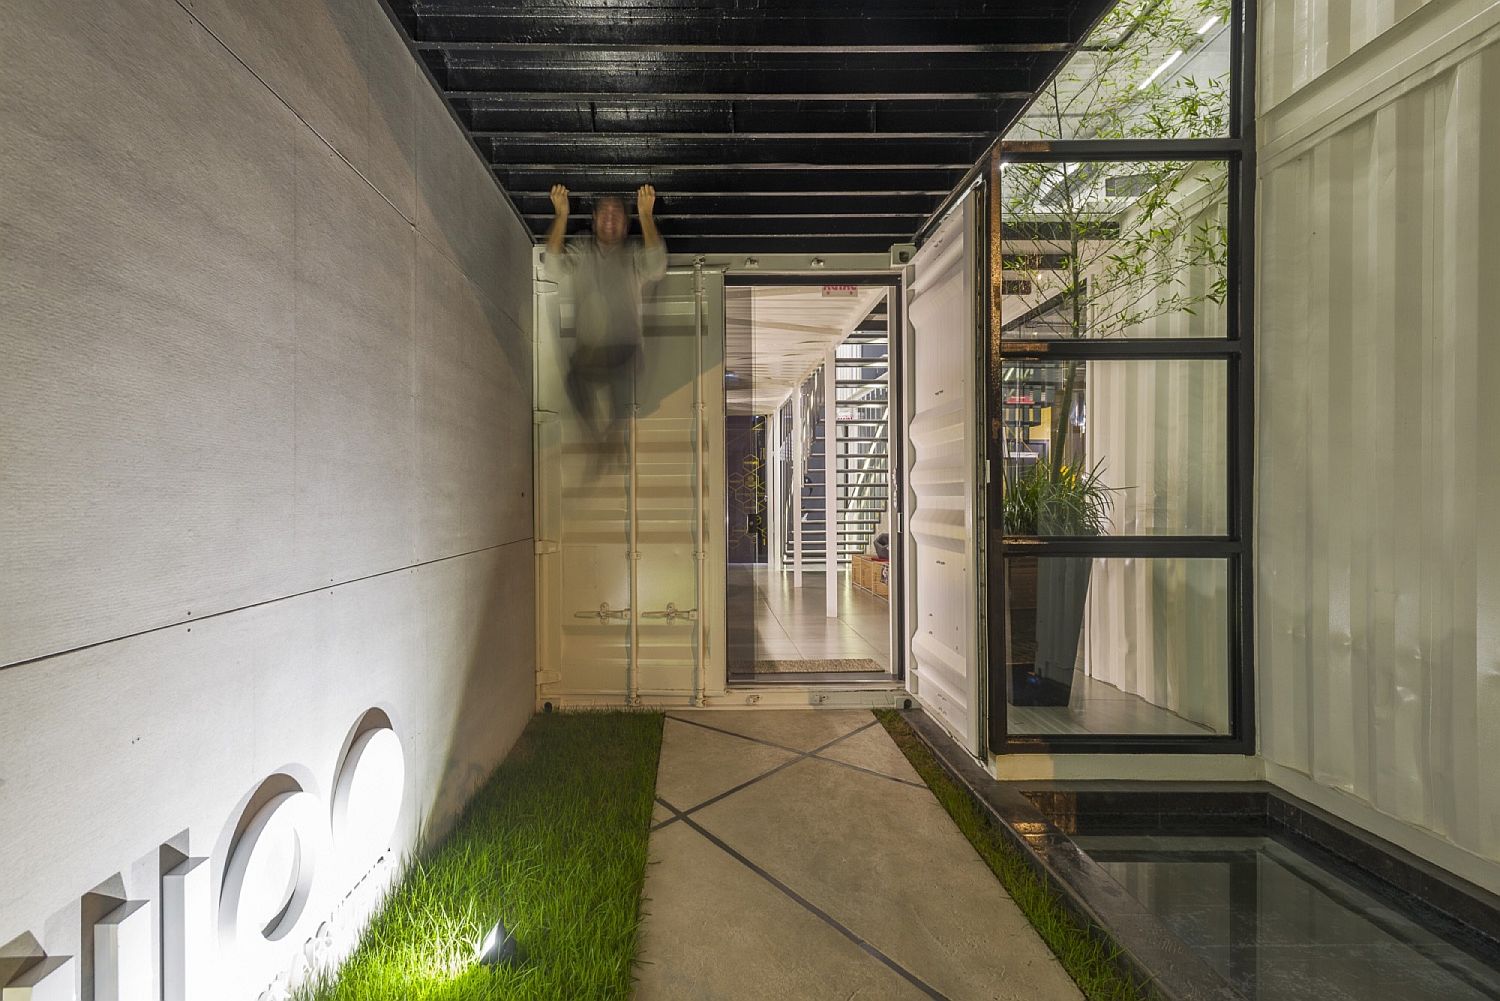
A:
x: 817, y: 666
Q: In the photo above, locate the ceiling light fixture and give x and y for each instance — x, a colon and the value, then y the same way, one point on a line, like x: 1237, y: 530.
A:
x: 1160, y: 69
x: 1208, y: 24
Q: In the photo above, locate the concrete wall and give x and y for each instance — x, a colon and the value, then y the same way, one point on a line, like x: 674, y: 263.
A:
x: 265, y: 454
x: 1378, y: 627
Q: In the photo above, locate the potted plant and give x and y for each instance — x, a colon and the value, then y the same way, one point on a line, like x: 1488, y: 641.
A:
x: 1047, y: 597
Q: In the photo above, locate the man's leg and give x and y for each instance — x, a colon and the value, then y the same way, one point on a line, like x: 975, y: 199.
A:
x: 624, y: 366
x: 581, y: 383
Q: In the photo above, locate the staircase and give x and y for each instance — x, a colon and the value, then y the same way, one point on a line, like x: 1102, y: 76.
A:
x: 862, y: 450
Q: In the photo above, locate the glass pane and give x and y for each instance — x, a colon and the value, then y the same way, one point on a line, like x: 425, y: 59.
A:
x: 1115, y: 447
x: 1116, y: 646
x: 1114, y: 249
x: 1152, y: 69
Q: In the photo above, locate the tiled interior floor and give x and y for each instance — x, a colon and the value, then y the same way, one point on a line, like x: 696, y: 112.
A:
x: 797, y: 855
x: 792, y: 623
x: 1099, y: 707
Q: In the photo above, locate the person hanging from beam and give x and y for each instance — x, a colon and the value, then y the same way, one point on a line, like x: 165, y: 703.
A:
x: 609, y: 276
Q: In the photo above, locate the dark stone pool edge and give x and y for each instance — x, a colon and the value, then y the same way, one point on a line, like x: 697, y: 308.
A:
x: 1038, y: 818
x: 1148, y: 953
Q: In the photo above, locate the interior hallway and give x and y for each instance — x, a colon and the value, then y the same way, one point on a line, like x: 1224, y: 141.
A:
x: 792, y: 624
x: 797, y: 855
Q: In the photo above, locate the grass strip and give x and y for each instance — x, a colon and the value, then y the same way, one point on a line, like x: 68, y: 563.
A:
x: 555, y: 844
x: 1089, y: 961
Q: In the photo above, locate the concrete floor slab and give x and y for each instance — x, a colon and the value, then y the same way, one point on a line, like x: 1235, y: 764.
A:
x: 873, y: 749
x: 887, y: 862
x: 876, y: 866
x: 804, y: 730
x: 714, y: 930
x: 698, y: 764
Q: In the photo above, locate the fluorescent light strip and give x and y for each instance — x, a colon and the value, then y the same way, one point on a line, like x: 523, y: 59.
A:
x: 1208, y: 24
x: 1160, y: 69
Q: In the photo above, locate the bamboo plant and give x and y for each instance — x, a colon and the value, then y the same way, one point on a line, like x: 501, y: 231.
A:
x: 1104, y: 253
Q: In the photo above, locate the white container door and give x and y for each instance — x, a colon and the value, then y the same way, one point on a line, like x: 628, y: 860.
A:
x: 942, y: 456
x: 629, y: 607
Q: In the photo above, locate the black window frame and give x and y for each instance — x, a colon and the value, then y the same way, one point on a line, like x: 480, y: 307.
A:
x: 1236, y: 349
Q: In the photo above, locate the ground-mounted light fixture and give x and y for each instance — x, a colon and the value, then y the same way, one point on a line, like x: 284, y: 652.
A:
x: 498, y: 947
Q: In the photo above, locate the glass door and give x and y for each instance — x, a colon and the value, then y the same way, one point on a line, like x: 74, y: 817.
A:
x: 1119, y: 372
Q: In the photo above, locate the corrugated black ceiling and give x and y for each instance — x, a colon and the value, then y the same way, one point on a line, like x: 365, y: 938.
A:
x: 799, y: 126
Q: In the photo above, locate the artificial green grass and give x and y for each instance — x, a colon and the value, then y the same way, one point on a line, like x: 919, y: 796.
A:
x: 555, y: 844
x: 1088, y: 961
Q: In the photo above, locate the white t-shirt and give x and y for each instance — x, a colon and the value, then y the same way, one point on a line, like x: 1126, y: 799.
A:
x: 606, y: 288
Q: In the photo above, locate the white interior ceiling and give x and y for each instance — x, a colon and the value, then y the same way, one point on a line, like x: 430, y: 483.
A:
x: 790, y: 331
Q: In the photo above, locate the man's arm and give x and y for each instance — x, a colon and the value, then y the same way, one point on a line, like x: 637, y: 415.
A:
x: 645, y: 204
x: 559, y: 220
x: 651, y: 260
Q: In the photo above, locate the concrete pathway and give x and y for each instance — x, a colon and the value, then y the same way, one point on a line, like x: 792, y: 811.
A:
x: 796, y: 854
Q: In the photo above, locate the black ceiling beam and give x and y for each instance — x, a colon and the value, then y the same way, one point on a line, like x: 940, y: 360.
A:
x: 686, y: 179
x: 650, y: 78
x: 892, y: 226
x: 590, y: 150
x: 730, y: 170
x: 696, y: 205
x: 766, y: 125
x: 557, y: 137
x: 737, y: 117
x: 953, y: 28
x: 1014, y: 98
x: 837, y: 244
x: 506, y: 48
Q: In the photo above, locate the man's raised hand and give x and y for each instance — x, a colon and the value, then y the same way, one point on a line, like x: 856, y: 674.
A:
x: 645, y: 200
x: 559, y: 199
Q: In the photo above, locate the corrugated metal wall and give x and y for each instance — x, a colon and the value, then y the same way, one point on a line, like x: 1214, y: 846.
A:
x: 1379, y: 416
x: 1302, y: 39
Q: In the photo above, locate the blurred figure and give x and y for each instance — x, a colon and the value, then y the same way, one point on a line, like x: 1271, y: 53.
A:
x: 609, y: 274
